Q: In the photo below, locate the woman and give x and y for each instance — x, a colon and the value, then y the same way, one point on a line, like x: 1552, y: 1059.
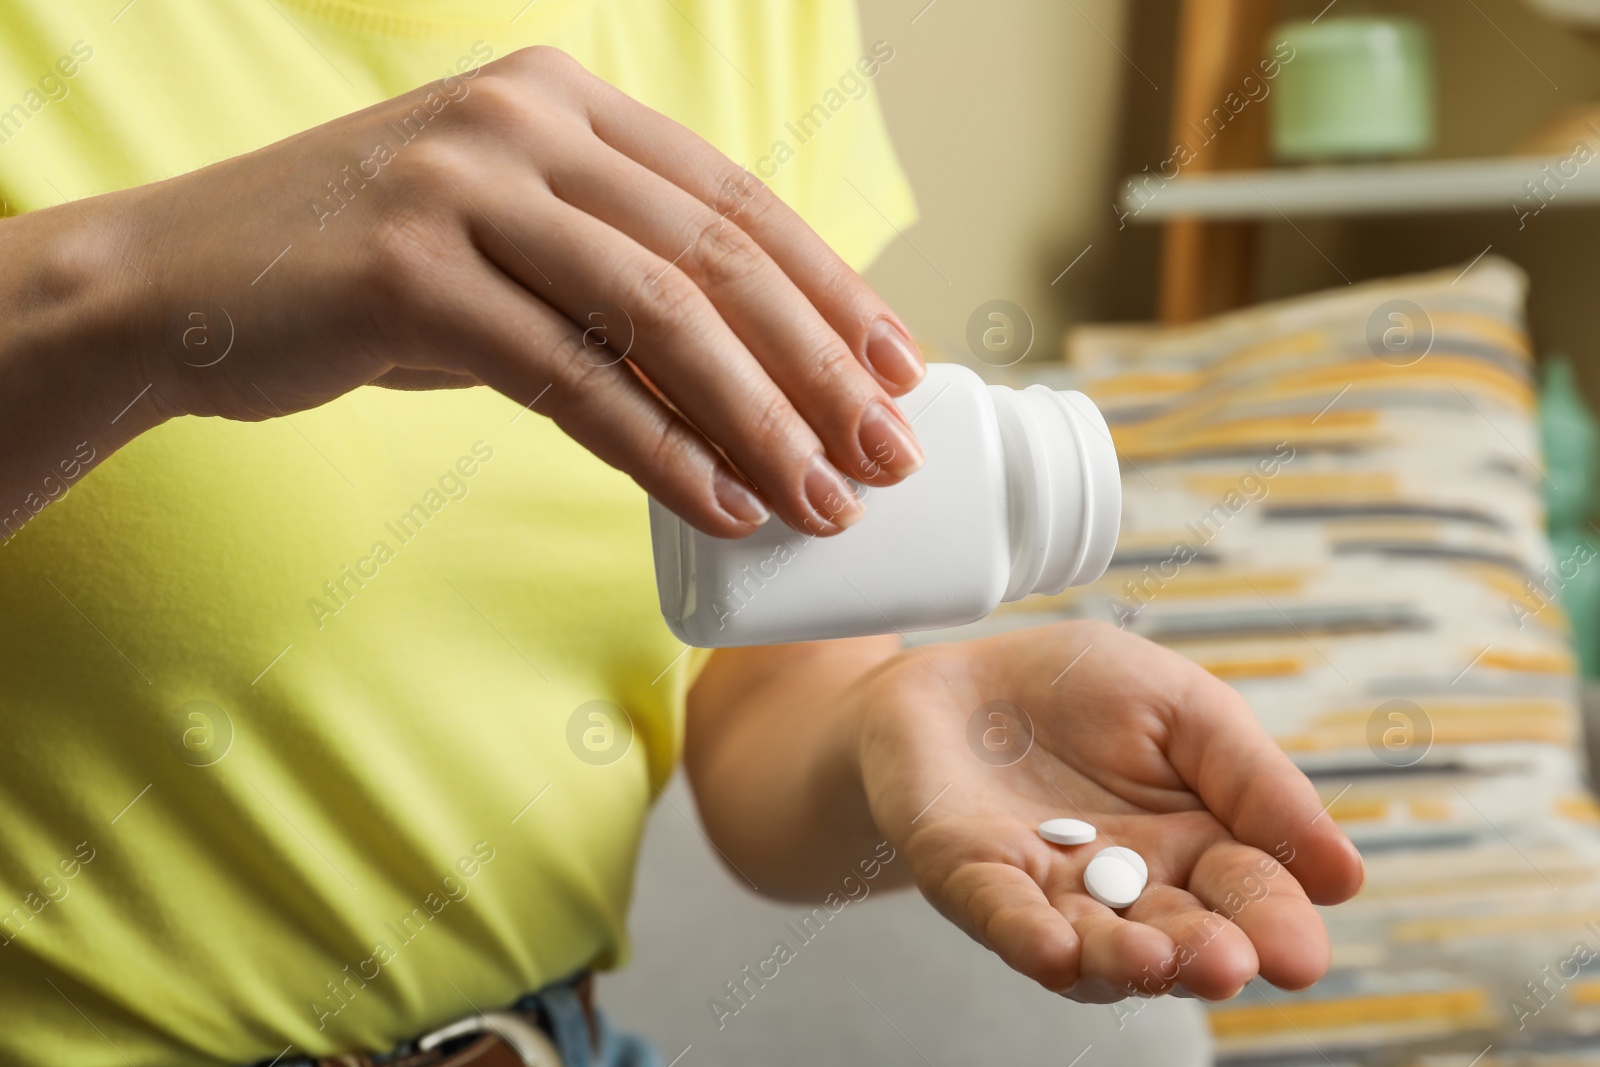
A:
x: 334, y: 712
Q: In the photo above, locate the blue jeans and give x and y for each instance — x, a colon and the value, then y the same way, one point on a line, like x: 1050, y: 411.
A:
x: 570, y: 1032
x: 558, y: 1004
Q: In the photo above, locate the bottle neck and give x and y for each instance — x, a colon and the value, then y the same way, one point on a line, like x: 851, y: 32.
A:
x: 1063, y: 488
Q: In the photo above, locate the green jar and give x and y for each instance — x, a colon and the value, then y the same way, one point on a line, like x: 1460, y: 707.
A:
x: 1354, y: 88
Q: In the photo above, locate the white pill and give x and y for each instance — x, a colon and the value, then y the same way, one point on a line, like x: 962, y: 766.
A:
x: 1130, y: 855
x: 1116, y: 877
x: 1066, y: 831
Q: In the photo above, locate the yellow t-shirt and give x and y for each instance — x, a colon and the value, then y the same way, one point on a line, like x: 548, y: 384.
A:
x: 318, y: 729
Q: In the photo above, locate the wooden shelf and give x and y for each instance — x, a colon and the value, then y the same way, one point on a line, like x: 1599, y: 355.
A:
x: 1389, y: 188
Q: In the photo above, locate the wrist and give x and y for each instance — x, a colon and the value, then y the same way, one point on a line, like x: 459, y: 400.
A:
x: 773, y: 751
x: 74, y: 385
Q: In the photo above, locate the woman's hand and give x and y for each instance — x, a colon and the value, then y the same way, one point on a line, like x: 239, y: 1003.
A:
x: 965, y: 749
x: 804, y: 758
x: 527, y: 227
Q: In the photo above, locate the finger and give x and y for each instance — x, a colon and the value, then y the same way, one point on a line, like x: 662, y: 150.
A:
x: 679, y: 342
x: 1257, y: 895
x: 1223, y: 754
x: 406, y: 379
x: 864, y: 433
x: 1211, y: 957
x: 1116, y: 953
x: 1001, y: 907
x: 873, y: 333
x: 535, y: 356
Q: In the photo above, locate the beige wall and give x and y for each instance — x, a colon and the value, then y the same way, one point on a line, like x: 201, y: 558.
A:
x: 1015, y: 120
x: 1004, y: 115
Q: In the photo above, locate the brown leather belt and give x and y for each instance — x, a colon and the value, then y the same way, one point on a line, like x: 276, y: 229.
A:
x: 508, y: 1038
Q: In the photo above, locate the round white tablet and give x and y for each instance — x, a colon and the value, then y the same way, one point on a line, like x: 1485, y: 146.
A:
x: 1114, y: 878
x: 1066, y: 831
x: 1130, y: 855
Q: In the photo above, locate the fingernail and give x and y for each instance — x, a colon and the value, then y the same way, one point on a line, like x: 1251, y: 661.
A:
x: 887, y: 442
x: 830, y: 496
x: 735, y: 498
x: 891, y: 353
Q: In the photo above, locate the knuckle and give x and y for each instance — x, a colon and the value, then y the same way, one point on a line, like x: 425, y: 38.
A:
x: 536, y: 109
x: 832, y: 368
x: 773, y: 420
x: 670, y: 448
x: 740, y: 193
x: 844, y: 288
x: 495, y: 100
x: 556, y: 74
x: 667, y: 303
x: 427, y: 172
x: 567, y: 363
x: 545, y: 60
x: 853, y: 303
x: 724, y: 254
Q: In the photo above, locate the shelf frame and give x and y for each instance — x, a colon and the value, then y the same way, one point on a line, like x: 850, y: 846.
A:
x: 1521, y: 185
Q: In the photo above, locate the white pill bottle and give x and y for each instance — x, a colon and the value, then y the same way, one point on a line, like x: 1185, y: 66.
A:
x: 1019, y: 494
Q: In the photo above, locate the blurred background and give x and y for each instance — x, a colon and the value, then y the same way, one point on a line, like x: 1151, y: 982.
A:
x: 1409, y: 607
x: 1018, y: 123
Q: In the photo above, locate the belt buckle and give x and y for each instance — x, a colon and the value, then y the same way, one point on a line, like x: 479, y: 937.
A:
x: 530, y: 1044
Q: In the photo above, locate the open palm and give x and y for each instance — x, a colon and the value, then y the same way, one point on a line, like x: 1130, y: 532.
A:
x: 966, y: 748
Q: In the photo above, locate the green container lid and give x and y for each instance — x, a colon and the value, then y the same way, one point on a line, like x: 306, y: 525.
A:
x: 1353, y: 88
